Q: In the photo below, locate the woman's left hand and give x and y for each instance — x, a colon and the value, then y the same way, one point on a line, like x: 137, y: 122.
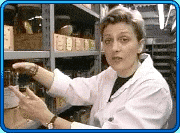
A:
x: 31, y: 106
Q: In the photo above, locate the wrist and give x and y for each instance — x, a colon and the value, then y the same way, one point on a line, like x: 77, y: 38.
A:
x: 51, y: 125
x: 46, y: 118
x: 33, y: 70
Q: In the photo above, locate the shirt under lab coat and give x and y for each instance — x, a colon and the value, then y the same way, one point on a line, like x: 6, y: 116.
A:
x: 143, y: 102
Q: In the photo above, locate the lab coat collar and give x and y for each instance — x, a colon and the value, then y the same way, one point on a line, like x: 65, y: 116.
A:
x: 146, y: 65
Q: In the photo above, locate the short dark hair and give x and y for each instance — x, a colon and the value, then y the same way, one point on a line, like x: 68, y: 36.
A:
x: 123, y: 14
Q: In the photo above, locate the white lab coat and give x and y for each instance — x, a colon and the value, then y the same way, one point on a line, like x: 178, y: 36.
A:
x: 143, y: 102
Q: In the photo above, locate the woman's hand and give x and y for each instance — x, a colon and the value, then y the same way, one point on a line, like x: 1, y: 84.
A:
x: 25, y: 68
x: 38, y: 73
x: 32, y: 107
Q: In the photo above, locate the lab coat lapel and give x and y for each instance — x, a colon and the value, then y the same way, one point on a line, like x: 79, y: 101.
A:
x: 122, y: 88
x: 141, y: 71
x: 106, y: 87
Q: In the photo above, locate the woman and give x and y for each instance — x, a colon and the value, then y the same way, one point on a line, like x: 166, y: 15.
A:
x: 142, y: 97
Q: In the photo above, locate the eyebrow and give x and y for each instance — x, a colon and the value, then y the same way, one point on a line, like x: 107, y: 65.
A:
x: 125, y: 32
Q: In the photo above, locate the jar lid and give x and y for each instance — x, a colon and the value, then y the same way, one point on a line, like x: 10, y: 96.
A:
x: 24, y: 79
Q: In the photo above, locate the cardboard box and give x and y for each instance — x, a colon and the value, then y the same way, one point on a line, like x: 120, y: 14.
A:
x: 55, y: 41
x: 92, y: 46
x: 60, y: 42
x: 79, y: 44
x: 8, y: 38
x: 86, y: 44
x: 70, y: 45
x: 28, y: 42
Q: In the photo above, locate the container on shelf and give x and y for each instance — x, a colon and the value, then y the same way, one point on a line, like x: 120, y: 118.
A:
x: 8, y: 38
x: 60, y: 42
x: 69, y: 43
x: 9, y: 14
x: 86, y: 44
x: 10, y: 99
x: 63, y: 25
x: 28, y: 34
x: 92, y: 46
x: 79, y: 44
x: 28, y: 42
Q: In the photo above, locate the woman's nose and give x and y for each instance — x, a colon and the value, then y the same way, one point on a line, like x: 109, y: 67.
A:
x: 116, y: 46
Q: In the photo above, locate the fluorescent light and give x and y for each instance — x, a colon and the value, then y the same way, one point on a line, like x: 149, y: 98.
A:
x: 172, y: 7
x: 174, y: 25
x: 161, y: 15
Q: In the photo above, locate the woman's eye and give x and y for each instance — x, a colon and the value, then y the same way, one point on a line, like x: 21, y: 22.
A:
x: 124, y: 40
x: 107, y: 41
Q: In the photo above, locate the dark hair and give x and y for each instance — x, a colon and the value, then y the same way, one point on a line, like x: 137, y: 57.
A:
x: 123, y: 14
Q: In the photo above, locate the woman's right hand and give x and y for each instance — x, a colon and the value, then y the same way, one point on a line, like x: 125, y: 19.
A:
x: 38, y: 73
x: 25, y: 68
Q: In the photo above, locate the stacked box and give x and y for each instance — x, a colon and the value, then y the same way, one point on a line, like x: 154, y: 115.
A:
x: 79, y: 44
x: 92, y: 45
x: 55, y: 42
x: 31, y: 42
x: 86, y: 44
x: 60, y: 42
x: 70, y: 46
x: 68, y: 43
x: 8, y: 38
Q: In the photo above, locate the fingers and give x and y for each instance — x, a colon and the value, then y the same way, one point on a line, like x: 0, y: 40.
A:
x: 17, y: 92
x: 19, y: 65
x: 24, y: 65
x: 31, y: 94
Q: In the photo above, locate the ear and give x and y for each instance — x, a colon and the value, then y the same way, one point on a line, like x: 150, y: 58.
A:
x: 141, y: 45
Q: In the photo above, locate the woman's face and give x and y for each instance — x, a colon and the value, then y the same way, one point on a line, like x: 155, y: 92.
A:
x: 121, y: 48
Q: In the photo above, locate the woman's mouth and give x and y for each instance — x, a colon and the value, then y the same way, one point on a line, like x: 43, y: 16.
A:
x: 116, y: 58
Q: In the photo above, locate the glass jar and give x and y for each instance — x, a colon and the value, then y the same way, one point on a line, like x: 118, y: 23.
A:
x: 10, y: 99
x: 24, y: 82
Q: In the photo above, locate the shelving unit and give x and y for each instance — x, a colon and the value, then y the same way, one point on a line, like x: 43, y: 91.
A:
x: 172, y: 51
x: 163, y: 52
x: 78, y: 13
x: 161, y: 44
x: 11, y: 55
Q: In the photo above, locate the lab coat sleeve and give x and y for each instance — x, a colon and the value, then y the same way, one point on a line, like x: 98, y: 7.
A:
x: 77, y: 125
x: 77, y: 91
x: 149, y: 108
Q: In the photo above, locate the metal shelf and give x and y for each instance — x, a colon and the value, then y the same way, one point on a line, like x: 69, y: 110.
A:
x: 173, y: 77
x: 173, y: 67
x: 173, y: 58
x: 173, y: 50
x: 160, y: 50
x: 164, y: 71
x: 161, y: 57
x: 75, y: 54
x: 10, y: 55
x: 163, y: 43
x: 161, y: 64
x: 87, y: 10
x: 76, y: 12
